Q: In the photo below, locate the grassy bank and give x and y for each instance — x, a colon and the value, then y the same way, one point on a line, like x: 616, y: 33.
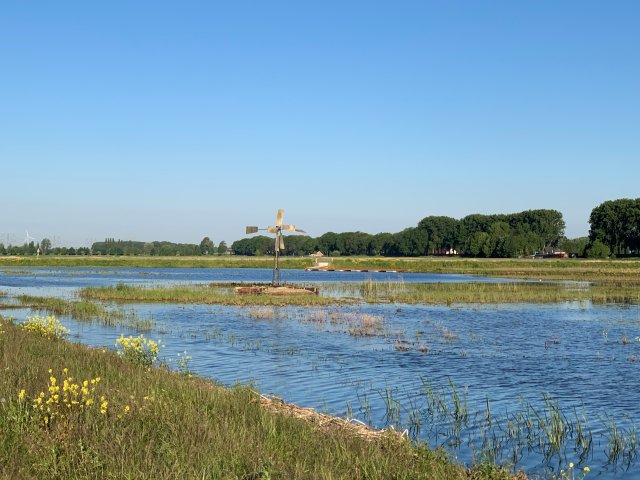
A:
x: 203, y: 294
x: 157, y: 424
x: 604, y: 271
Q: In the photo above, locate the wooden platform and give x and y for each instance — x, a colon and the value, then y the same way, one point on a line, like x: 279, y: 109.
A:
x: 282, y: 290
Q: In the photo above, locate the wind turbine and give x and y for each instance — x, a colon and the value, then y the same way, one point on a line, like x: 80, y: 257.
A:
x: 28, y: 239
x: 279, y: 241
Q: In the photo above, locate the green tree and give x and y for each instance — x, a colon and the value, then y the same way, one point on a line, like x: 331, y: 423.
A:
x: 45, y: 246
x: 206, y: 246
x: 443, y: 233
x: 598, y: 250
x: 222, y: 248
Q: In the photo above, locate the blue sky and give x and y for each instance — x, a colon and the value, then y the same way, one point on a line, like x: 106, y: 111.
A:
x: 157, y: 120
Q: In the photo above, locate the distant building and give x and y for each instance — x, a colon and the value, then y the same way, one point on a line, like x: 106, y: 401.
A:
x: 445, y: 251
x: 551, y: 252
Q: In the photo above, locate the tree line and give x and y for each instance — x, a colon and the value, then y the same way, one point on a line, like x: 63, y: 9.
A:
x: 163, y: 249
x: 614, y: 230
x: 45, y: 248
x: 501, y: 235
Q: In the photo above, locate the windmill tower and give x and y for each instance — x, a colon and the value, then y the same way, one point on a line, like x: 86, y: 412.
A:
x: 279, y: 242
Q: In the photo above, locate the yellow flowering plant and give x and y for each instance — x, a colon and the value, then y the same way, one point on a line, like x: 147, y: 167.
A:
x: 64, y: 398
x: 139, y: 350
x: 573, y: 473
x: 48, y: 327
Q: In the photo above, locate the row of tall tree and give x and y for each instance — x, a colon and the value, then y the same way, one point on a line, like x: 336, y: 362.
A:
x: 45, y: 248
x: 128, y: 247
x: 111, y: 246
x: 615, y: 224
x: 506, y: 235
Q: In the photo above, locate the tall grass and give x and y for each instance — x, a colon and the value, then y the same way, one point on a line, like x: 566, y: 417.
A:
x: 152, y: 423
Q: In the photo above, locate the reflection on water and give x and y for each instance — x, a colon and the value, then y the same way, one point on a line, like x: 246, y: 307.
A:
x: 470, y: 378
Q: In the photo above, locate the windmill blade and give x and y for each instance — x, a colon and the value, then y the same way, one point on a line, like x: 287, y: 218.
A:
x: 272, y: 229
x: 292, y: 228
x: 279, y: 217
x: 277, y: 245
x: 281, y: 242
x: 251, y: 230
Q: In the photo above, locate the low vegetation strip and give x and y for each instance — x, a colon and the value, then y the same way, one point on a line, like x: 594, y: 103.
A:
x: 379, y: 292
x: 203, y: 294
x: 126, y: 420
x: 494, y: 293
x: 603, y: 271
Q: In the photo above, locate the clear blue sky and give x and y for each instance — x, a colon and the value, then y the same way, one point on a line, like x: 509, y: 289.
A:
x: 154, y: 120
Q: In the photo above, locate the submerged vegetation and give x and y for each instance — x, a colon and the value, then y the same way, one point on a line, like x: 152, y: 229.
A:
x: 128, y: 420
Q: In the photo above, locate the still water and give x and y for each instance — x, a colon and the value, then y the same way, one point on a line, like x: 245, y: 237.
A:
x: 482, y: 381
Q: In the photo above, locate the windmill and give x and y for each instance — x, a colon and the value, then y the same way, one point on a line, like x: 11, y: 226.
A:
x: 279, y: 241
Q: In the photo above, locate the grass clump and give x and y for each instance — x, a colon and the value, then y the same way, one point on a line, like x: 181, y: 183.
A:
x: 134, y: 422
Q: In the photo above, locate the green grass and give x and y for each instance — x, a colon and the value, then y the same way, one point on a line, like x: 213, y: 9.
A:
x: 604, y: 271
x: 203, y: 294
x: 179, y: 427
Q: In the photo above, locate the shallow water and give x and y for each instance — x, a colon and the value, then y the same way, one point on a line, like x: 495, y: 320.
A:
x: 512, y: 355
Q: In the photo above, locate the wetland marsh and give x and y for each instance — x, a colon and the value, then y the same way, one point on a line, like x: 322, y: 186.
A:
x: 536, y: 380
